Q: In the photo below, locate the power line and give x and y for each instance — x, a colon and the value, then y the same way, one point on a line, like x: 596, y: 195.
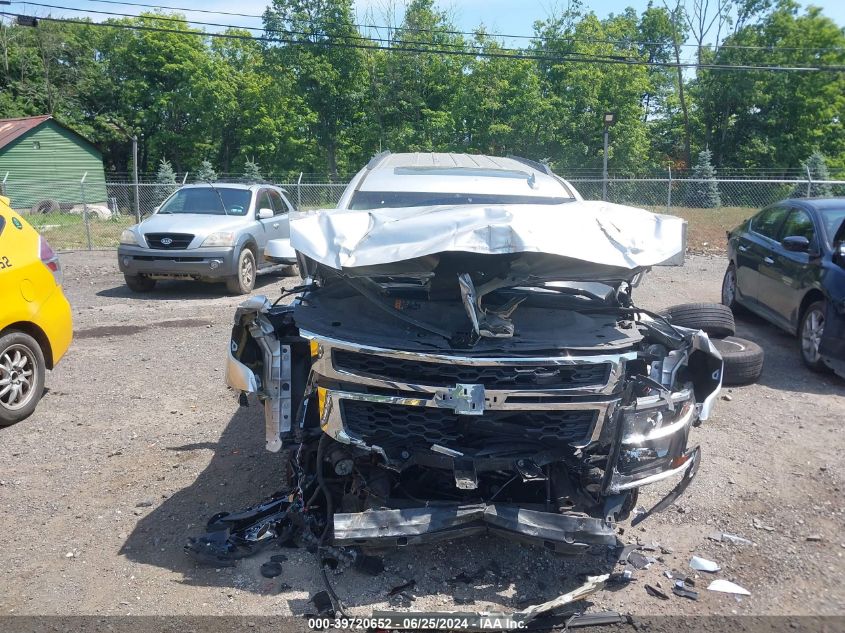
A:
x: 405, y: 48
x: 622, y: 42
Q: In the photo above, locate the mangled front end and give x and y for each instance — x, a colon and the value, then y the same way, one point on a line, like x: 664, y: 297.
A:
x: 449, y: 394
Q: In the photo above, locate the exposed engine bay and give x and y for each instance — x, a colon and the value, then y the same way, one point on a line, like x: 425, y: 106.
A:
x: 415, y: 410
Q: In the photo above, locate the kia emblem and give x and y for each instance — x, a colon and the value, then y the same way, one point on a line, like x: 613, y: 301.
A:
x: 166, y: 241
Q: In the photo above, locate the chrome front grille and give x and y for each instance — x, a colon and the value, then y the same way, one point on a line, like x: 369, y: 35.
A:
x: 378, y: 398
x: 168, y: 240
x: 439, y: 374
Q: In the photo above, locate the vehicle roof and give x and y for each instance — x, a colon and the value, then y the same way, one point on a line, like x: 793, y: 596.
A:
x: 461, y: 173
x: 231, y: 185
x: 819, y: 204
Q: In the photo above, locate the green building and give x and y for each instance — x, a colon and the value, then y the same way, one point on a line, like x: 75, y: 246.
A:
x: 42, y: 162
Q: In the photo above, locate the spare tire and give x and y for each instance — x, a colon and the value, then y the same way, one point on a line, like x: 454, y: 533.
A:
x: 714, y: 318
x: 47, y: 205
x: 743, y: 360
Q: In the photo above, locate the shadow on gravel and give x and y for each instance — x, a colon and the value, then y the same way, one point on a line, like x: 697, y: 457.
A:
x: 783, y: 369
x: 241, y: 473
x: 179, y: 290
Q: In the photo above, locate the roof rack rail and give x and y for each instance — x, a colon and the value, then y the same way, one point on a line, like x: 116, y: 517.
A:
x: 542, y: 167
x: 375, y: 160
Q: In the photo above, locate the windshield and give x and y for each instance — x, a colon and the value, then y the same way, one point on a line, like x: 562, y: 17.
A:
x: 832, y: 219
x: 206, y: 200
x: 362, y: 200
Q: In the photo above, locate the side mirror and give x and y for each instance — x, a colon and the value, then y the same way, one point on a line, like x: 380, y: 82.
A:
x: 265, y: 214
x: 796, y: 243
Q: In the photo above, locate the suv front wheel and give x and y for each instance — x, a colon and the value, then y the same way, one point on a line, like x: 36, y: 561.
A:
x: 244, y: 281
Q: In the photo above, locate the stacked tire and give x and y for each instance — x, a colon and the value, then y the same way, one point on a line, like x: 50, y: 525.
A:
x: 743, y: 359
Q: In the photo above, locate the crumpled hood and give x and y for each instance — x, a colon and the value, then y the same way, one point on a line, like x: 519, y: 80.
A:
x: 606, y: 234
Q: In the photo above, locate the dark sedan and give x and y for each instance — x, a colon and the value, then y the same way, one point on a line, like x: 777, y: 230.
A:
x: 787, y: 264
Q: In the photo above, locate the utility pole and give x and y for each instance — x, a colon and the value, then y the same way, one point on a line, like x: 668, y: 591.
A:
x: 609, y: 119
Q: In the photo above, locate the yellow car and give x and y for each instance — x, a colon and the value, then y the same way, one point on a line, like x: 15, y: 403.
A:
x: 35, y: 320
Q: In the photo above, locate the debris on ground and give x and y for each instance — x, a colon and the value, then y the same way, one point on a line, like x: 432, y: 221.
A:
x: 702, y: 564
x: 370, y: 565
x: 814, y: 537
x: 621, y: 578
x: 271, y: 569
x: 726, y: 586
x: 655, y: 592
x: 322, y: 601
x: 725, y: 537
x: 403, y: 587
x: 759, y: 525
x: 600, y: 618
x: 468, y: 578
x: 681, y: 589
x: 638, y: 561
x: 278, y: 558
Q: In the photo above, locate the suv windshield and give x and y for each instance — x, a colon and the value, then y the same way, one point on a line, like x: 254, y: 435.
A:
x: 395, y: 199
x: 205, y: 200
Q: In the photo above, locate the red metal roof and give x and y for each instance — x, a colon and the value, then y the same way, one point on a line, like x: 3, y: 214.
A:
x: 10, y: 129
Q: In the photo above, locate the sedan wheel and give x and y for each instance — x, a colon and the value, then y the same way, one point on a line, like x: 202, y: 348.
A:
x: 729, y: 287
x: 811, y: 332
x: 21, y: 376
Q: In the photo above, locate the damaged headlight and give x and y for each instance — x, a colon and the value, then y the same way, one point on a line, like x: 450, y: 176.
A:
x: 654, y: 442
x: 650, y: 425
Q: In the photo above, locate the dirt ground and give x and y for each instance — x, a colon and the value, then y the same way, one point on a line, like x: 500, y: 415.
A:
x: 138, y: 442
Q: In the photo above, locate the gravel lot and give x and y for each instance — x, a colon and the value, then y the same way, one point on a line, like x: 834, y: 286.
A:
x: 138, y: 441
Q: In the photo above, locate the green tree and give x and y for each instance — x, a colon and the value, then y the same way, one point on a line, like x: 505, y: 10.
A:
x: 776, y: 119
x: 252, y: 172
x: 703, y: 191
x: 580, y: 92
x: 317, y: 44
x: 165, y: 179
x: 206, y: 172
x: 816, y: 167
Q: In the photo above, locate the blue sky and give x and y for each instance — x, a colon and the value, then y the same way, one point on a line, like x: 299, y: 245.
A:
x: 499, y: 16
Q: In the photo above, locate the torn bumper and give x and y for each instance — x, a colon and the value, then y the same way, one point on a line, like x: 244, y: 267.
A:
x: 410, y: 526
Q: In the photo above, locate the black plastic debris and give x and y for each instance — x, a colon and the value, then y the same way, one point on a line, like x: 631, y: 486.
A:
x: 680, y: 589
x: 271, y: 569
x: 370, y: 565
x: 620, y: 578
x: 638, y: 561
x: 463, y: 600
x: 655, y: 592
x: 403, y: 587
x: 278, y: 558
x: 600, y: 618
x: 468, y: 578
x: 323, y: 603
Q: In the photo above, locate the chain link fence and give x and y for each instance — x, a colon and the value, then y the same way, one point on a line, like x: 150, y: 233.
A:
x: 72, y: 218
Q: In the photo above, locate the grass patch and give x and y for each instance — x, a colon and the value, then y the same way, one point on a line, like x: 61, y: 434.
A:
x: 66, y: 231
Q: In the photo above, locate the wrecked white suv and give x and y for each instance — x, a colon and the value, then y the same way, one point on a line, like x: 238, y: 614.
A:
x: 465, y: 356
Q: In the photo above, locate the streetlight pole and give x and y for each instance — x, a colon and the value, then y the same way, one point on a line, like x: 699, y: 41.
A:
x: 609, y: 119
x: 135, y: 177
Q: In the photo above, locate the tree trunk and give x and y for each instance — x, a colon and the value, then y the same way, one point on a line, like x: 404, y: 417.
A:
x: 683, y: 100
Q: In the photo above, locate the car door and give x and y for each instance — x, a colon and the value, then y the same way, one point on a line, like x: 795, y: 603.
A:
x: 281, y: 226
x: 263, y: 201
x: 787, y: 278
x: 753, y: 247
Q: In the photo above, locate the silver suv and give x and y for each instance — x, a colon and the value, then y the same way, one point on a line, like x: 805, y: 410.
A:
x: 207, y: 232
x: 465, y: 357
